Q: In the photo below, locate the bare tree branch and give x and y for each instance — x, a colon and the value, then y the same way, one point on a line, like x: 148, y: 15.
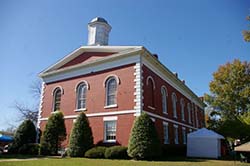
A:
x: 26, y: 112
x: 35, y: 88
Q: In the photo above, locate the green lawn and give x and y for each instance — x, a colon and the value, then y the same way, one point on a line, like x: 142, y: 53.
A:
x: 99, y: 162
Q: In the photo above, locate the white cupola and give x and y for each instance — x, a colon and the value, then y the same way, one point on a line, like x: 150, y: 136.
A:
x: 98, y: 31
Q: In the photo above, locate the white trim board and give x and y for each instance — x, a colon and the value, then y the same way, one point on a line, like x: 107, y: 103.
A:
x: 121, y: 61
x: 97, y: 114
x: 169, y: 81
x: 168, y: 120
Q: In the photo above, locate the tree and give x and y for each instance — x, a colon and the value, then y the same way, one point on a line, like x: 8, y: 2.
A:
x: 230, y: 89
x: 53, y: 135
x: 144, y: 142
x: 81, y: 138
x: 30, y: 112
x: 25, y: 134
x: 246, y: 33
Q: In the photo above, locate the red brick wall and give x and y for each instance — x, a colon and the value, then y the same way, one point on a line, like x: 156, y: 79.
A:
x: 95, y: 101
x: 158, y: 105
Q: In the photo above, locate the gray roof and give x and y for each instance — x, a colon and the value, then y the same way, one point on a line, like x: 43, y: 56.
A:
x: 99, y: 19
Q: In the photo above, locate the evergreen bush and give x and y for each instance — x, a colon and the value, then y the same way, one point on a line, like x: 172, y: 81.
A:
x: 53, y: 135
x: 116, y: 152
x: 81, y: 138
x: 144, y: 142
x: 26, y: 133
x: 96, y: 152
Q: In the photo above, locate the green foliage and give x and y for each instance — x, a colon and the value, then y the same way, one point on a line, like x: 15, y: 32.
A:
x: 53, y: 135
x: 116, y: 152
x: 96, y: 152
x: 238, y: 128
x: 25, y: 134
x: 230, y: 89
x: 144, y: 142
x: 246, y: 33
x: 81, y: 138
x: 30, y: 149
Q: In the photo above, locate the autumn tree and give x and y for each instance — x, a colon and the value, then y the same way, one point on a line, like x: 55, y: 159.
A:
x: 246, y: 33
x: 230, y: 89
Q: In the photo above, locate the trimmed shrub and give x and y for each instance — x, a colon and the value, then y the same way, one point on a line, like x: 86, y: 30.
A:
x: 81, y: 138
x: 144, y: 142
x: 31, y: 149
x: 53, y: 135
x: 26, y: 133
x: 116, y: 152
x: 96, y: 152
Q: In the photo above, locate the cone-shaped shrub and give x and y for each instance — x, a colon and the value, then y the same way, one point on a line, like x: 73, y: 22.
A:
x: 53, y: 135
x: 81, y: 138
x: 144, y: 142
x: 25, y: 134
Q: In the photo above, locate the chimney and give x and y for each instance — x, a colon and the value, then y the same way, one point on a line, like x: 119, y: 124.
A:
x: 155, y: 55
x: 176, y: 74
x: 98, y: 31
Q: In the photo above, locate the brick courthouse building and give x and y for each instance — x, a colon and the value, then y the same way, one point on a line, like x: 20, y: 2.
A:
x: 115, y: 84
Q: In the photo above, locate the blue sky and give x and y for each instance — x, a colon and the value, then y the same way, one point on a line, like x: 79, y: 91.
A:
x: 190, y: 37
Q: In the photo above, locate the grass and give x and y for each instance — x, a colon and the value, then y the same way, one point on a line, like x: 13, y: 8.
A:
x: 104, y: 162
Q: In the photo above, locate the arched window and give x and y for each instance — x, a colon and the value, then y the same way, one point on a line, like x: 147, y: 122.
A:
x: 164, y: 100
x: 151, y: 87
x: 111, y: 89
x: 174, y: 101
x: 182, y: 109
x: 57, y: 99
x: 81, y: 96
x: 189, y: 113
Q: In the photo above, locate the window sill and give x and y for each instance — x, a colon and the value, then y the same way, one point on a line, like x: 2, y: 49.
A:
x: 109, y: 141
x: 152, y: 108
x: 111, y: 106
x: 165, y: 113
x: 80, y: 110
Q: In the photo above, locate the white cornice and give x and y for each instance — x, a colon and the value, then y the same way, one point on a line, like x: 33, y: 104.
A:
x: 110, y: 58
x: 162, y: 71
x: 79, y: 51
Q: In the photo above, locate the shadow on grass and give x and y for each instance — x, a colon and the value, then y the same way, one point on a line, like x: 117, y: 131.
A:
x: 17, y: 156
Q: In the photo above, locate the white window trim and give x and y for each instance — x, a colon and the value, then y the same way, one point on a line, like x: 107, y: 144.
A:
x: 76, y: 90
x: 150, y: 77
x: 152, y: 108
x: 176, y: 139
x: 165, y: 124
x: 80, y: 110
x: 163, y: 88
x: 111, y: 106
x: 108, y: 78
x: 108, y: 119
x: 174, y: 110
x: 182, y: 104
x: 53, y: 94
x: 184, y: 129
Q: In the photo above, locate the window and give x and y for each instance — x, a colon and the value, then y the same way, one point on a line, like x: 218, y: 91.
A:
x: 165, y: 133
x: 182, y: 110
x: 184, y: 136
x: 196, y: 117
x: 111, y: 88
x: 174, y: 101
x: 189, y: 113
x: 176, y: 137
x: 81, y: 96
x: 110, y: 131
x: 151, y: 86
x: 164, y: 100
x: 57, y: 99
